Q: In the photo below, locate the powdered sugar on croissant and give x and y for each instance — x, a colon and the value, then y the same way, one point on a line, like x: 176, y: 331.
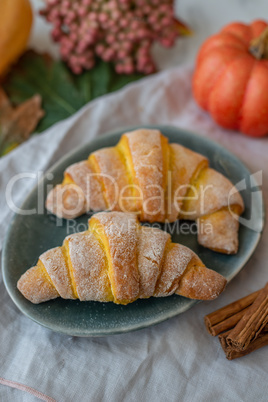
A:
x: 160, y: 182
x: 119, y: 260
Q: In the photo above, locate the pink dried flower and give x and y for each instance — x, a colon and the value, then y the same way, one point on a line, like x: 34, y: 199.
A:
x: 120, y: 31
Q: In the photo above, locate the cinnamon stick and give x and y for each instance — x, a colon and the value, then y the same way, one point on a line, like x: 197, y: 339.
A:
x: 251, y: 323
x: 231, y: 353
x: 228, y: 316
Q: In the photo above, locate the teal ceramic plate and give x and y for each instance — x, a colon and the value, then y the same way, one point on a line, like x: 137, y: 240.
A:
x: 29, y: 236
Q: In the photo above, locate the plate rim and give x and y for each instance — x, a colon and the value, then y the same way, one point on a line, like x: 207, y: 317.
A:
x: 154, y: 320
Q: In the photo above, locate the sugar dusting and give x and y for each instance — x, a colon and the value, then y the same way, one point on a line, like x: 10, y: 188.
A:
x: 213, y: 190
x: 35, y: 286
x: 147, y: 157
x: 176, y: 262
x: 113, y: 174
x: 89, y: 267
x: 223, y: 236
x: 210, y: 194
x: 200, y: 282
x: 142, y: 263
x: 121, y: 233
x: 66, y: 201
x: 55, y: 265
x: 83, y: 174
x: 152, y: 243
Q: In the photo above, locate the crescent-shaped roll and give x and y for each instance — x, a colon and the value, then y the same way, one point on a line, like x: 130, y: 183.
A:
x: 160, y: 182
x: 119, y: 260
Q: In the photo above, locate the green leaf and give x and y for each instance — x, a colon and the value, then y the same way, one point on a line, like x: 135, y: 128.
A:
x: 62, y: 92
x: 120, y: 81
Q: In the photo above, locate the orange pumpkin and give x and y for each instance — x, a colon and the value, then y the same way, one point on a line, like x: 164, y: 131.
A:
x: 15, y: 26
x: 231, y: 77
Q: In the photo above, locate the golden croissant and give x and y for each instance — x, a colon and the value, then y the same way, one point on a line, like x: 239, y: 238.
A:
x: 160, y: 182
x: 119, y: 260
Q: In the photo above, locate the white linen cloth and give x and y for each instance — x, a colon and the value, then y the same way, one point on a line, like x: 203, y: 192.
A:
x: 173, y: 361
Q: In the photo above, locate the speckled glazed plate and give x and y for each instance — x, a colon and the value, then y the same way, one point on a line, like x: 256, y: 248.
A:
x: 30, y: 236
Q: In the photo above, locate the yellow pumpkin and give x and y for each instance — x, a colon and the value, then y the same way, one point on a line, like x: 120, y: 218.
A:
x: 15, y: 27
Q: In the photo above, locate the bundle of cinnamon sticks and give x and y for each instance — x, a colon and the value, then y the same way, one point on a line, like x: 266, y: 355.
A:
x: 242, y: 326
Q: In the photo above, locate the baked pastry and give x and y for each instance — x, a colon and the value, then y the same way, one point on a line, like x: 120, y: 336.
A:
x: 160, y: 182
x: 119, y: 260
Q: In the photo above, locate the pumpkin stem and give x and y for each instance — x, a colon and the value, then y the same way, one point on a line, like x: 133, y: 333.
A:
x: 259, y: 46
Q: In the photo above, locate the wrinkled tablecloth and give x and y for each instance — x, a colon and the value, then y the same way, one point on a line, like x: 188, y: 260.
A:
x: 173, y: 361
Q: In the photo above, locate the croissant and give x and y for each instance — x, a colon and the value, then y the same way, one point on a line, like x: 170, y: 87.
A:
x: 119, y: 260
x: 160, y: 182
